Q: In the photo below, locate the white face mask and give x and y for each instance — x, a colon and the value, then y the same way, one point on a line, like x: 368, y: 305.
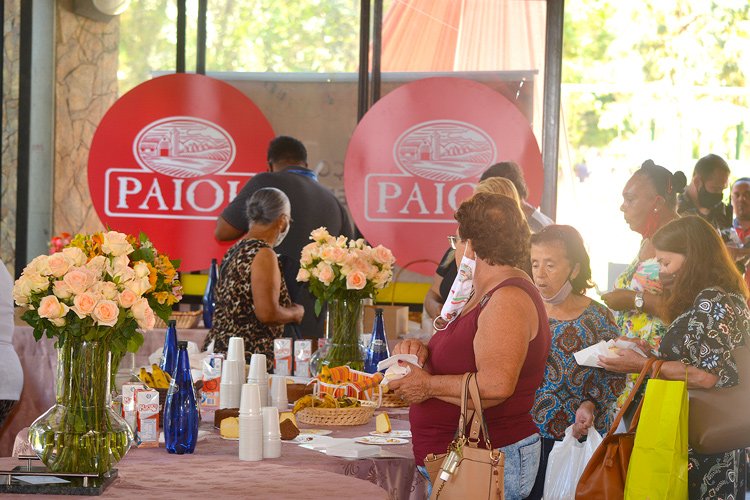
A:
x: 460, y: 291
x: 561, y: 294
x: 282, y: 234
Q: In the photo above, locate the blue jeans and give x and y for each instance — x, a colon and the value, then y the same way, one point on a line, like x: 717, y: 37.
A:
x: 521, y: 464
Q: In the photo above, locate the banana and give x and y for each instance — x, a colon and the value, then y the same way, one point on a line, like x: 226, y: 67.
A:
x: 147, y: 378
x: 303, y: 402
x: 160, y: 377
x: 327, y: 401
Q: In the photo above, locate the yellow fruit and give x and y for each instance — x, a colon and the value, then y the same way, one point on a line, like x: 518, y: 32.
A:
x: 147, y: 378
x: 302, y: 403
x: 326, y: 401
x: 161, y: 378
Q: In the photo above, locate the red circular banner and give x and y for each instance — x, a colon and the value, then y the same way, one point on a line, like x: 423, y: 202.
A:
x: 169, y: 156
x: 420, y: 151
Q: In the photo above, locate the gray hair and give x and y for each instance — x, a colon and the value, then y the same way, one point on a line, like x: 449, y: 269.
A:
x: 267, y: 205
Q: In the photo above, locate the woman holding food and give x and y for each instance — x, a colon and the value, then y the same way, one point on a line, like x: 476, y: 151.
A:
x: 501, y: 334
x: 252, y: 300
x: 649, y: 202
x: 707, y: 315
x: 570, y: 394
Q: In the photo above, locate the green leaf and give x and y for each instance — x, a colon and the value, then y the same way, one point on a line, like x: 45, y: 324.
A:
x: 142, y: 237
x: 318, y: 307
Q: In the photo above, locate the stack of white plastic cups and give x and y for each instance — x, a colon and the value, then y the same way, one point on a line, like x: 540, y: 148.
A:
x: 236, y: 351
x: 251, y: 424
x: 278, y: 393
x: 271, y: 433
x: 259, y: 375
x: 230, y: 386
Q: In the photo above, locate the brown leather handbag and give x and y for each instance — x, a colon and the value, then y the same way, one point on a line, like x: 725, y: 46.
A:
x: 604, y: 475
x: 718, y: 417
x: 467, y: 471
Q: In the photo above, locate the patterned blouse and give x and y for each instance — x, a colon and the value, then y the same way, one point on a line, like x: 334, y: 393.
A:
x: 234, y: 314
x: 640, y: 276
x: 567, y: 384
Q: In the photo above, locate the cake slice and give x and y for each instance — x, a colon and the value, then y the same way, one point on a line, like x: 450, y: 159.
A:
x: 288, y: 430
x: 382, y: 424
x: 230, y: 428
x: 287, y: 415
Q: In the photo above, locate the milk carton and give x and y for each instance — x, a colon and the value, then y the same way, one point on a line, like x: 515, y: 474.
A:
x: 282, y: 356
x: 211, y: 380
x: 128, y: 403
x: 302, y: 354
x: 147, y: 408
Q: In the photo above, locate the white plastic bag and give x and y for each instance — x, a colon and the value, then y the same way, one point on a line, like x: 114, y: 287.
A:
x: 565, y: 464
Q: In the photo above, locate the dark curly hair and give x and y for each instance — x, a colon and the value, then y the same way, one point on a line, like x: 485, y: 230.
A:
x: 288, y: 149
x: 511, y: 171
x: 707, y: 263
x: 666, y: 184
x: 575, y: 251
x: 496, y: 227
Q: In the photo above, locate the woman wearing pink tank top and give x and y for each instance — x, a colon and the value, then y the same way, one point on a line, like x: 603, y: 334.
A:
x: 502, y: 334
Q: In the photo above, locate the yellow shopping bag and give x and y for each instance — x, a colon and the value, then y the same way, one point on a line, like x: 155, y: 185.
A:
x: 659, y: 462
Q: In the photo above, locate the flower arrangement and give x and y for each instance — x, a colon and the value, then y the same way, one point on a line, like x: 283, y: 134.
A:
x: 101, y: 287
x: 342, y: 273
x: 337, y: 268
x: 57, y: 243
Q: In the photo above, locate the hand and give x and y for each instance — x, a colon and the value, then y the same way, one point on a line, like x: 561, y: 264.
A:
x: 412, y: 346
x: 643, y: 345
x: 620, y: 299
x: 625, y: 361
x: 584, y: 419
x: 298, y: 312
x: 413, y: 388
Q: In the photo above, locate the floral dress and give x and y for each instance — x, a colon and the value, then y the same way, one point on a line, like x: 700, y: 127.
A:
x: 640, y: 276
x: 234, y: 314
x: 566, y: 384
x: 702, y: 337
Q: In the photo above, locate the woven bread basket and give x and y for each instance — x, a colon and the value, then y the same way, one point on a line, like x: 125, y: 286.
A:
x: 184, y: 319
x: 337, y: 416
x: 390, y: 400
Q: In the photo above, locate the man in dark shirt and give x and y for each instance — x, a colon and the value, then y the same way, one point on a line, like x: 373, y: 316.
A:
x: 313, y: 206
x: 704, y: 195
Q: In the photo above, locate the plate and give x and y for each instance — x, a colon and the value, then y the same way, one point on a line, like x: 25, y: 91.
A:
x: 379, y: 440
x: 316, y: 432
x: 301, y: 439
x: 229, y: 439
x: 393, y: 434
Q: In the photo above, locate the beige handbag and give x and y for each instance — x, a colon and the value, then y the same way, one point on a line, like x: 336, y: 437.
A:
x: 467, y: 471
x: 718, y: 417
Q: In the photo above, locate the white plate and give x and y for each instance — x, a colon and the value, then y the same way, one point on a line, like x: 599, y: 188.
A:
x: 229, y: 439
x: 379, y: 440
x: 301, y: 439
x: 316, y: 432
x: 393, y: 434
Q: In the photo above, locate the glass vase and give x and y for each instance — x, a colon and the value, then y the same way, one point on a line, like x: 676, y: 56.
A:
x: 344, y: 347
x: 81, y: 432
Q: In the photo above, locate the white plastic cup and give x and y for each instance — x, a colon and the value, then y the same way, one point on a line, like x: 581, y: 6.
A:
x: 271, y: 421
x: 257, y: 367
x: 278, y: 393
x: 230, y: 385
x: 250, y: 399
x: 271, y: 447
x: 236, y: 352
x: 251, y: 438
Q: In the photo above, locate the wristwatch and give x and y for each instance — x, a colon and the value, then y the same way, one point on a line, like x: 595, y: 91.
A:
x: 639, y: 301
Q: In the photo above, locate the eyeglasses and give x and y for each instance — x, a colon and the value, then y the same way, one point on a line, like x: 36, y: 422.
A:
x: 453, y: 239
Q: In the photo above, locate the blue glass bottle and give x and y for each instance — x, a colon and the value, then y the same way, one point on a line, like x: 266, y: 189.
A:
x: 169, y: 354
x: 181, y: 408
x: 378, y: 348
x: 209, y: 296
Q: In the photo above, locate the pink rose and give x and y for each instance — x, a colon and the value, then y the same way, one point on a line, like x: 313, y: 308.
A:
x: 84, y: 304
x: 139, y: 286
x: 122, y: 274
x: 61, y: 290
x: 382, y: 278
x: 76, y: 255
x: 143, y: 314
x: 99, y: 263
x: 341, y: 241
x: 305, y: 258
x: 326, y: 253
x: 50, y: 308
x: 58, y: 321
x: 303, y: 275
x: 320, y: 234
x: 78, y: 279
x: 107, y: 289
x: 382, y: 255
x: 127, y: 298
x: 326, y: 275
x: 37, y: 282
x: 361, y: 265
x: 338, y: 255
x: 356, y: 281
x: 141, y: 269
x: 106, y: 312
x: 39, y: 265
x: 116, y: 243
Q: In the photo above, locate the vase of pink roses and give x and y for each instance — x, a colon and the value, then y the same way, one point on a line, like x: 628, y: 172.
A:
x: 92, y: 297
x: 342, y: 273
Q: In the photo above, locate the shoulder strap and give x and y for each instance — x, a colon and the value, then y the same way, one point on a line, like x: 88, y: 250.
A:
x: 623, y: 409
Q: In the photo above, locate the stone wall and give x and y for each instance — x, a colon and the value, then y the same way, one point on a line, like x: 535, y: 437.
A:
x: 86, y: 87
x: 11, y: 39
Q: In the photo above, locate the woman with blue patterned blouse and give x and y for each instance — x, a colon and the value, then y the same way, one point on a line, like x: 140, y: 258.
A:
x: 570, y: 394
x: 706, y: 325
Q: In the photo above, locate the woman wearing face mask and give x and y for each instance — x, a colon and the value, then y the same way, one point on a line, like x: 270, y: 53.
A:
x: 704, y: 326
x: 649, y: 202
x: 570, y: 394
x: 252, y: 301
x: 501, y: 333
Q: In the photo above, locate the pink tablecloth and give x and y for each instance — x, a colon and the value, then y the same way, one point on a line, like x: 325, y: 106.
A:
x: 396, y: 474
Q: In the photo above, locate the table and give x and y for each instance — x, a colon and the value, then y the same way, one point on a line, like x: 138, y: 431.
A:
x: 395, y: 474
